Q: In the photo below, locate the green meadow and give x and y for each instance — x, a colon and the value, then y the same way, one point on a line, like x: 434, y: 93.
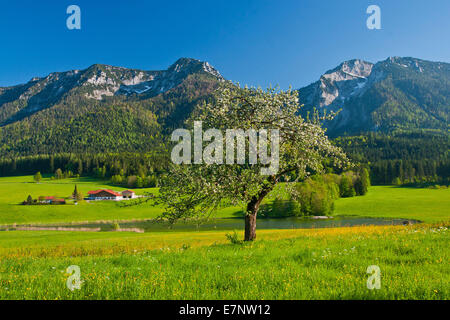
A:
x: 428, y: 205
x: 14, y: 190
x: 328, y: 263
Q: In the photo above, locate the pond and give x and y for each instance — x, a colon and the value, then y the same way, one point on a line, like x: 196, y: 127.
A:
x: 227, y: 224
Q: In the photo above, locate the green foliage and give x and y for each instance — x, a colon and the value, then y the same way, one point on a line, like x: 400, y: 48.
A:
x: 59, y: 174
x: 410, y: 156
x: 316, y: 195
x: 133, y: 181
x: 96, y: 130
x: 185, y: 246
x: 346, y: 188
x: 280, y: 208
x: 117, y: 179
x: 77, y: 124
x: 117, y: 166
x: 116, y: 226
x: 37, y: 177
x: 396, y: 181
x: 233, y: 237
x: 362, y: 182
x: 200, y: 189
x: 77, y: 195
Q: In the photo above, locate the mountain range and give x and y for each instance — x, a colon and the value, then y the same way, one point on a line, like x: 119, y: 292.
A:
x: 105, y: 108
x: 397, y: 93
x: 101, y: 109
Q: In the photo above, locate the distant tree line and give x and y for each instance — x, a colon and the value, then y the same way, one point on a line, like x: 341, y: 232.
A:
x: 132, y: 170
x: 402, y: 157
x: 398, y: 172
x: 395, y: 159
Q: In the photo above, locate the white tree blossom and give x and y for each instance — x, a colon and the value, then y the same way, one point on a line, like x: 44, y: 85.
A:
x: 198, y: 190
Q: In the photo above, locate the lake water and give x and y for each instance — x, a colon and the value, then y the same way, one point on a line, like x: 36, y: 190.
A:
x: 238, y: 224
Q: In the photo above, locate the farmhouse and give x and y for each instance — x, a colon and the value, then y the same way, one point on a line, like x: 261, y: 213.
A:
x: 46, y: 199
x: 51, y: 200
x: 128, y: 194
x: 104, y: 194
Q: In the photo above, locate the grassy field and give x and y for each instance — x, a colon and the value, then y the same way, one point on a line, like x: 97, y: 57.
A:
x: 14, y: 190
x: 427, y: 205
x: 326, y: 263
x: 294, y: 264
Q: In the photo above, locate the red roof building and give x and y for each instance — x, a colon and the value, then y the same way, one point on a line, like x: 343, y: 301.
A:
x: 103, y: 194
x: 52, y: 200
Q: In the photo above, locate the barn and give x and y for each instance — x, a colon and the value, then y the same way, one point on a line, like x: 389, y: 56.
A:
x: 104, y: 194
x: 128, y: 194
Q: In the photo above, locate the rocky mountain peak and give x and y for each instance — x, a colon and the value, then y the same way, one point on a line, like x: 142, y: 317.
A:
x: 97, y: 82
x: 190, y: 65
x: 183, y: 64
x: 337, y: 85
x: 350, y: 69
x: 375, y: 96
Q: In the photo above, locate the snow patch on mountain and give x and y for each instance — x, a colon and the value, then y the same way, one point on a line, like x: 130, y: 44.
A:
x: 97, y: 82
x: 211, y: 70
x: 109, y: 81
x: 348, y: 79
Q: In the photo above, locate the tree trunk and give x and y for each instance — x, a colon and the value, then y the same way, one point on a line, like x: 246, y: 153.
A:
x: 250, y: 227
x: 250, y: 219
x: 252, y: 210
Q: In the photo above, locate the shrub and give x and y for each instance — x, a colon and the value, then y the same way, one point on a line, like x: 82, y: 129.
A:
x: 117, y: 179
x: 185, y: 246
x: 346, y: 186
x: 37, y: 177
x: 316, y: 195
x: 397, y: 181
x: 58, y: 174
x: 233, y: 237
x: 362, y: 182
x: 77, y: 195
x: 131, y: 181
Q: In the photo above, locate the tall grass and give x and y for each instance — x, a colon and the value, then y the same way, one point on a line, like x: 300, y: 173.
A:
x: 310, y: 264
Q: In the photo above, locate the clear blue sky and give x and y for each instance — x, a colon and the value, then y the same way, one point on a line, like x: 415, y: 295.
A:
x: 255, y: 42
